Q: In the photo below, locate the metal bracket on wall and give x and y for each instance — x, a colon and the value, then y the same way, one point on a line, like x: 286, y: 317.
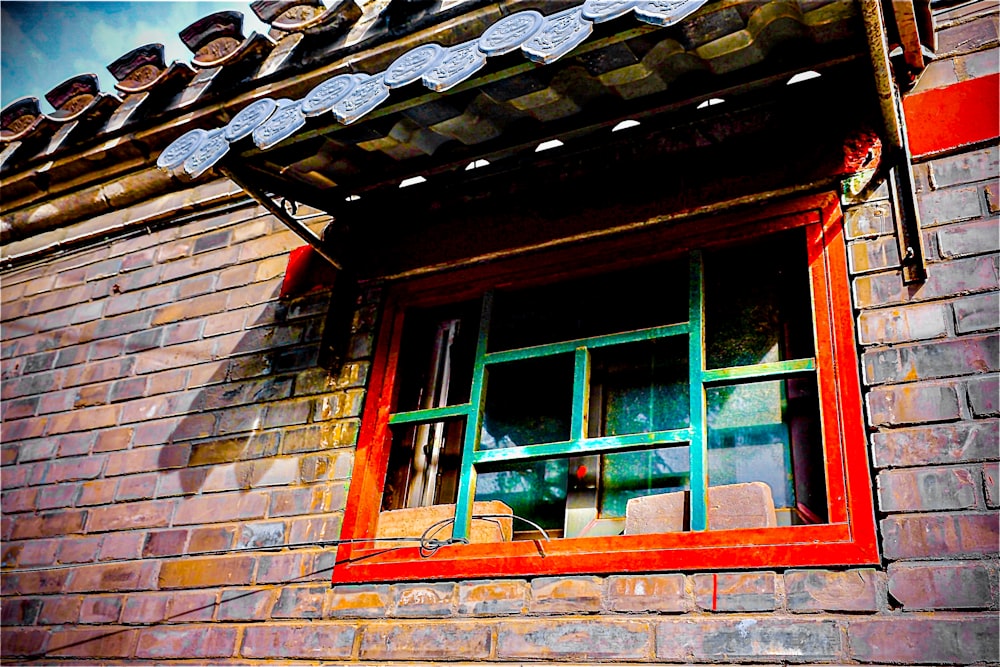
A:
x: 281, y: 212
x: 906, y: 213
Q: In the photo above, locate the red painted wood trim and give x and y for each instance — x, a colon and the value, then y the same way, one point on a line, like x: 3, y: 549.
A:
x: 849, y: 539
x: 958, y: 115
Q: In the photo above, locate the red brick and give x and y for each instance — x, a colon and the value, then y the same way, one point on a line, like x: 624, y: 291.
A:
x: 916, y: 639
x: 22, y: 429
x: 208, y: 571
x: 97, y: 372
x: 423, y: 600
x: 825, y: 590
x: 952, y: 585
x: 76, y: 444
x: 145, y: 608
x: 556, y: 595
x: 20, y: 611
x: 97, y: 492
x: 300, y: 602
x: 440, y: 640
x: 927, y: 489
x: 246, y: 604
x: 220, y: 507
x: 569, y: 639
x: 147, y: 459
x: 186, y: 642
x: 942, y: 443
x: 80, y: 549
x: 212, y: 538
x: 314, y: 529
x: 492, y: 598
x: 113, y: 577
x: 23, y: 642
x: 309, y: 500
x: 41, y: 582
x: 137, y: 487
x: 752, y: 591
x: 51, y: 524
x: 107, y: 642
x: 124, y: 545
x: 101, y: 609
x: 283, y: 568
x: 165, y: 543
x: 314, y: 641
x: 939, y: 535
x: 22, y: 500
x: 58, y: 497
x: 192, y: 606
x: 766, y: 638
x: 129, y: 516
x: 68, y: 470
x: 367, y: 601
x: 83, y: 420
x: 38, y: 552
x: 913, y: 404
x: 60, y: 610
x: 991, y: 484
x: 112, y: 439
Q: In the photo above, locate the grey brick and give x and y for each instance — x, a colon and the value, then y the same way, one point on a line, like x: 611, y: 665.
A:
x: 977, y: 313
x: 984, y: 396
x: 967, y: 167
x: 975, y: 238
x: 951, y: 205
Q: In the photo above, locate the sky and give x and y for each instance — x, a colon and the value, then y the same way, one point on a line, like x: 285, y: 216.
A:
x: 44, y: 43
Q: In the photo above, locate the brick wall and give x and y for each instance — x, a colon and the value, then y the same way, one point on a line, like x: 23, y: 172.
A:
x: 168, y: 434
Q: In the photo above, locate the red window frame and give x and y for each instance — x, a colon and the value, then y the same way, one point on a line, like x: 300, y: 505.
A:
x: 848, y: 539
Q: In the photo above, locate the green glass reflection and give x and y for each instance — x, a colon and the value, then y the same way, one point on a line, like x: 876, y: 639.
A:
x: 755, y: 429
x: 757, y: 302
x: 535, y: 490
x: 640, y: 387
x: 628, y: 475
x: 528, y: 402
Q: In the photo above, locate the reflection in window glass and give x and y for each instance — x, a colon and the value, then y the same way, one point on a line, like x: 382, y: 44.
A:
x: 757, y: 303
x: 535, y: 490
x: 769, y: 432
x: 528, y: 402
x: 423, y: 464
x: 610, y: 303
x: 627, y: 475
x: 639, y: 387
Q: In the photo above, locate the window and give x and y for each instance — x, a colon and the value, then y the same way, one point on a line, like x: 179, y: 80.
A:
x: 668, y: 401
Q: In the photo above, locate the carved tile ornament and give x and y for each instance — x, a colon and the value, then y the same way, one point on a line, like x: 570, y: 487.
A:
x: 208, y: 152
x: 370, y: 92
x: 666, y: 12
x: 456, y: 65
x: 560, y: 33
x: 600, y: 11
x: 411, y: 65
x: 283, y: 123
x: 510, y: 32
x: 350, y: 97
x: 322, y: 98
x: 250, y: 118
x: 183, y: 146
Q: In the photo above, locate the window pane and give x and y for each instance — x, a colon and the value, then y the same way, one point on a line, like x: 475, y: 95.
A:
x: 435, y: 361
x: 628, y: 475
x: 757, y: 303
x: 769, y: 432
x: 528, y: 402
x: 594, y: 306
x: 534, y: 490
x: 423, y: 464
x: 639, y: 387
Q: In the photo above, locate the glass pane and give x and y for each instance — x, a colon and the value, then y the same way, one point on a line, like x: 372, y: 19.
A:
x: 528, y: 402
x: 534, y: 490
x: 594, y: 306
x: 436, y: 356
x: 639, y: 387
x: 628, y: 475
x: 423, y: 464
x: 757, y: 302
x: 770, y: 432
